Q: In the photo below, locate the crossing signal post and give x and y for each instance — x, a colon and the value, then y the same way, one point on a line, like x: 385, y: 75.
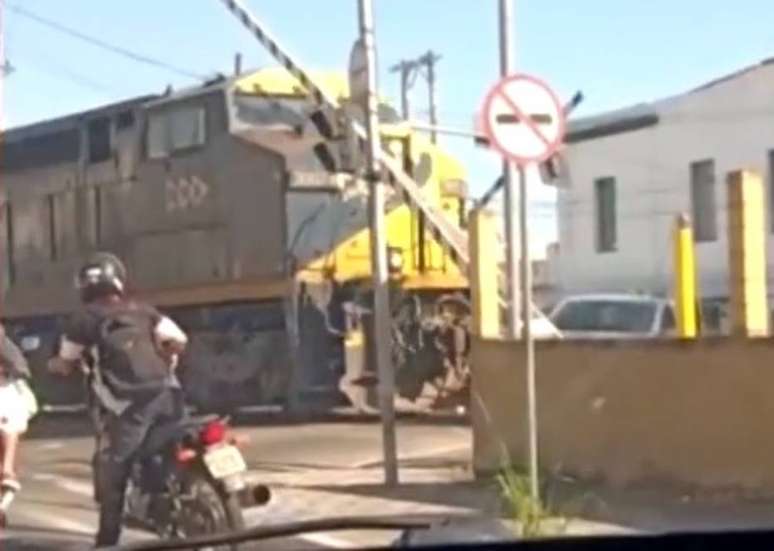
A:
x: 379, y: 266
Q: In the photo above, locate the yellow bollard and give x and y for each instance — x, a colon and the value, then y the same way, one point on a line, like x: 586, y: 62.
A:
x: 747, y: 254
x: 483, y: 275
x: 685, y: 279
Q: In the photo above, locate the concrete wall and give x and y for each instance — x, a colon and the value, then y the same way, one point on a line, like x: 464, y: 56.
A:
x: 696, y: 414
x: 730, y: 122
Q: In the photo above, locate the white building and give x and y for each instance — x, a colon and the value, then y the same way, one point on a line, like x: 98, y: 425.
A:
x: 628, y: 174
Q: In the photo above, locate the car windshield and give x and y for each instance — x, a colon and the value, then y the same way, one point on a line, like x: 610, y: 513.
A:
x: 605, y: 315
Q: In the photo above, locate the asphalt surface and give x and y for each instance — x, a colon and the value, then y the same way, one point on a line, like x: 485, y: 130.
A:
x: 55, y: 509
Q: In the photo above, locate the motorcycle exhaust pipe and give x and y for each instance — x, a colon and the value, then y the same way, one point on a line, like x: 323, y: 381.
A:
x: 253, y: 496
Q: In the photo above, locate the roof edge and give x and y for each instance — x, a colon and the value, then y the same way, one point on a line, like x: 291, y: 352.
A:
x: 45, y: 126
x: 612, y: 128
x: 643, y: 115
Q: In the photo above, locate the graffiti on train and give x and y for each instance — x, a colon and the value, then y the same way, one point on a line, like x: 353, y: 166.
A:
x: 229, y: 370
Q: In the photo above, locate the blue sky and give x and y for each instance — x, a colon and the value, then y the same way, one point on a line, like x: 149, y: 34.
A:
x: 616, y: 52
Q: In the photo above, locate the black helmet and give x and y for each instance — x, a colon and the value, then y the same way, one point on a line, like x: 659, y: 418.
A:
x: 102, y: 274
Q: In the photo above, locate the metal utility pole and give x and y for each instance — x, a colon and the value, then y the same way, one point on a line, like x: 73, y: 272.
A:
x: 510, y: 199
x: 429, y: 60
x: 381, y: 306
x: 407, y: 69
x: 506, y: 66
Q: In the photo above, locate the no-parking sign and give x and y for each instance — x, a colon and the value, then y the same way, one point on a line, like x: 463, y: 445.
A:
x: 523, y: 119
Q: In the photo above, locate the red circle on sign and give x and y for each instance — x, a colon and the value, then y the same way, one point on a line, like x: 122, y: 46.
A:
x: 499, y: 90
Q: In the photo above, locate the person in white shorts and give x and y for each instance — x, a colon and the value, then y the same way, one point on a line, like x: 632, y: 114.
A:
x: 14, y: 413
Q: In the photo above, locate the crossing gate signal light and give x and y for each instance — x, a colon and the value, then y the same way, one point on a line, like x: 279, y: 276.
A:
x: 335, y: 153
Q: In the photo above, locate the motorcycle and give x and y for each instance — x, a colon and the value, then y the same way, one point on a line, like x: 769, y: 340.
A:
x: 190, y: 481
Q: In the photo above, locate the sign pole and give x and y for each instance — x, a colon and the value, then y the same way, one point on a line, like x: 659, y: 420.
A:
x: 516, y: 298
x: 381, y: 306
x: 525, y: 123
x: 510, y: 199
x: 529, y: 343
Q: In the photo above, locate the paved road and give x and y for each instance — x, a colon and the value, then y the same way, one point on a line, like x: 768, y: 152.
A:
x: 56, y: 503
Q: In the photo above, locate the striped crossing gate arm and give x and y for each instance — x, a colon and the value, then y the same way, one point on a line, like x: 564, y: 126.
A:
x: 450, y: 236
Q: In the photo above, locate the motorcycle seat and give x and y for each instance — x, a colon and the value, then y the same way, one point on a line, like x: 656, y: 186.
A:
x: 164, y: 434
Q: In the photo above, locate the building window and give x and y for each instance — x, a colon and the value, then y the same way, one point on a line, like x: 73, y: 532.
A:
x: 175, y: 130
x: 99, y: 140
x: 49, y: 149
x: 156, y: 138
x: 703, y: 202
x: 606, y: 230
x: 125, y: 119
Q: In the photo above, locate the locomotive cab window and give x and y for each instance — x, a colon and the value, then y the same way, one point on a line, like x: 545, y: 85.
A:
x: 175, y: 130
x: 100, y: 147
x: 258, y: 110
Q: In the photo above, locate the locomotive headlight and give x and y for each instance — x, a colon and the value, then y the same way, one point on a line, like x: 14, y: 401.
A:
x: 395, y: 259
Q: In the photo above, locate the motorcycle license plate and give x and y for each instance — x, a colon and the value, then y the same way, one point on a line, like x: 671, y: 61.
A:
x: 224, y: 461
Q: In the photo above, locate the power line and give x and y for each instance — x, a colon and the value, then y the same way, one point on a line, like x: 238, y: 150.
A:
x: 102, y: 44
x: 57, y: 70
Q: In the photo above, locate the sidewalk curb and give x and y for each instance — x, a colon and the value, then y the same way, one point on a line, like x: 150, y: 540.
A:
x: 345, y: 416
x: 278, y: 416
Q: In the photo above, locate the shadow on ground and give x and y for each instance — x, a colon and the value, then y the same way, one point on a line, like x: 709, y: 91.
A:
x: 35, y: 538
x: 656, y: 508
x: 60, y: 425
x: 645, y: 510
x: 67, y: 504
x: 463, y: 495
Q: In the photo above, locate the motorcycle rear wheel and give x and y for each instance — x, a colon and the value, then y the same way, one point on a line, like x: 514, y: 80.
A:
x: 210, y: 510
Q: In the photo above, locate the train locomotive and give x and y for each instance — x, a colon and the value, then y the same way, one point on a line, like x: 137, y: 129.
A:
x: 235, y: 211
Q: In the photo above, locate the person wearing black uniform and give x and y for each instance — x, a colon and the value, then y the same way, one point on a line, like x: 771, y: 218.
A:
x: 132, y: 381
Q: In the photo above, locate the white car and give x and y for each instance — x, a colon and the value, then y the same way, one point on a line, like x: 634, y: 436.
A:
x: 614, y: 316
x: 542, y: 327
